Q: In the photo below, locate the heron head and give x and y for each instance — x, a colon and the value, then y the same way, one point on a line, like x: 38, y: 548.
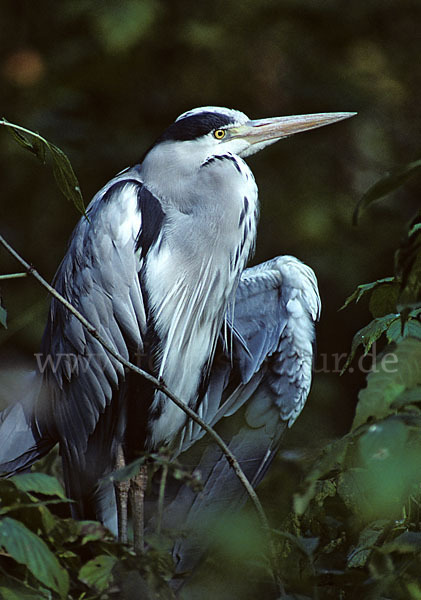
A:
x: 218, y: 130
x: 171, y: 164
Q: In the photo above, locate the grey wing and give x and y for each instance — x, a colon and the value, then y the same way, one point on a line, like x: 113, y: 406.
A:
x: 100, y: 277
x: 254, y: 397
x: 276, y: 306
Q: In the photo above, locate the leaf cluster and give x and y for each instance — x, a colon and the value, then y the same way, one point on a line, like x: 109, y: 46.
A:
x: 356, y: 527
x: 394, y: 302
x: 43, y: 555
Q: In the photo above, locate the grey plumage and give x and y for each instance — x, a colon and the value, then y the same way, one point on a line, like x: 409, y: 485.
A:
x: 266, y: 381
x: 158, y: 269
x: 254, y: 398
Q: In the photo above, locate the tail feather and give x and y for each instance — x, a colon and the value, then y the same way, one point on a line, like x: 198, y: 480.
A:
x: 194, y: 514
x: 21, y: 441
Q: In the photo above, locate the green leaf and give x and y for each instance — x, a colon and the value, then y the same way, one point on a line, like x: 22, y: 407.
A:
x: 385, y: 185
x: 370, y: 334
x: 39, y: 483
x: 62, y: 168
x: 397, y: 331
x: 383, y: 299
x: 408, y: 542
x: 332, y: 456
x: 97, y: 573
x: 129, y: 471
x: 23, y: 141
x: 3, y: 317
x: 20, y: 592
x: 92, y: 531
x: 66, y: 178
x: 367, y: 538
x: 380, y: 487
x: 28, y: 549
x: 394, y: 373
x: 408, y: 264
x: 364, y: 288
x: 383, y: 441
x: 412, y: 396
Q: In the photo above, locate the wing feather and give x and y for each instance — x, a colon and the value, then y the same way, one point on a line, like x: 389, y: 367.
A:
x: 259, y: 393
x: 100, y: 277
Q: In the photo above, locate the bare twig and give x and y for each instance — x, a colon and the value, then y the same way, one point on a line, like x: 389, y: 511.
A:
x: 13, y: 276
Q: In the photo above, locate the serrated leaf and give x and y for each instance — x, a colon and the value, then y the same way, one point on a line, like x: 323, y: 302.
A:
x: 398, y: 330
x: 364, y: 288
x: 97, y: 573
x: 383, y: 299
x: 28, y: 549
x: 388, y: 380
x: 367, y: 538
x: 127, y: 472
x: 39, y: 483
x: 385, y: 185
x: 3, y: 317
x: 370, y: 334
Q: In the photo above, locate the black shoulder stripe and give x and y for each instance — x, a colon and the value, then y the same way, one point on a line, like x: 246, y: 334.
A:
x: 152, y: 217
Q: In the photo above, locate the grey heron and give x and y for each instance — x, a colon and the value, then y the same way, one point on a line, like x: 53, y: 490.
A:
x: 159, y: 269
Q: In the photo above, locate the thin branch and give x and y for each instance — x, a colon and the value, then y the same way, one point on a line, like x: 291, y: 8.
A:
x: 12, y: 276
x: 27, y: 131
x: 233, y: 462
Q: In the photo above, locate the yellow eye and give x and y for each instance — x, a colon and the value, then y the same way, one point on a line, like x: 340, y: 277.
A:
x: 219, y: 134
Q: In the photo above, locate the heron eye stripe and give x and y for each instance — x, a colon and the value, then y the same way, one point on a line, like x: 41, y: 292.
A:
x: 194, y: 126
x: 219, y: 134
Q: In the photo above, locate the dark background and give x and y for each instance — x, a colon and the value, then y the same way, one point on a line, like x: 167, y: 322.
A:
x: 103, y: 79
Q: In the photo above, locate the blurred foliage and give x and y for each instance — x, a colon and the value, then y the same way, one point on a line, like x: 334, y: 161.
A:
x: 45, y: 556
x: 102, y: 80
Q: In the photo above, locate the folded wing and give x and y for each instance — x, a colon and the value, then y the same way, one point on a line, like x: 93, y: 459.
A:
x: 253, y: 395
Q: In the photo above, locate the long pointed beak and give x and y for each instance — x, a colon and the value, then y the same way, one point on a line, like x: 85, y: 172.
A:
x: 266, y: 131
